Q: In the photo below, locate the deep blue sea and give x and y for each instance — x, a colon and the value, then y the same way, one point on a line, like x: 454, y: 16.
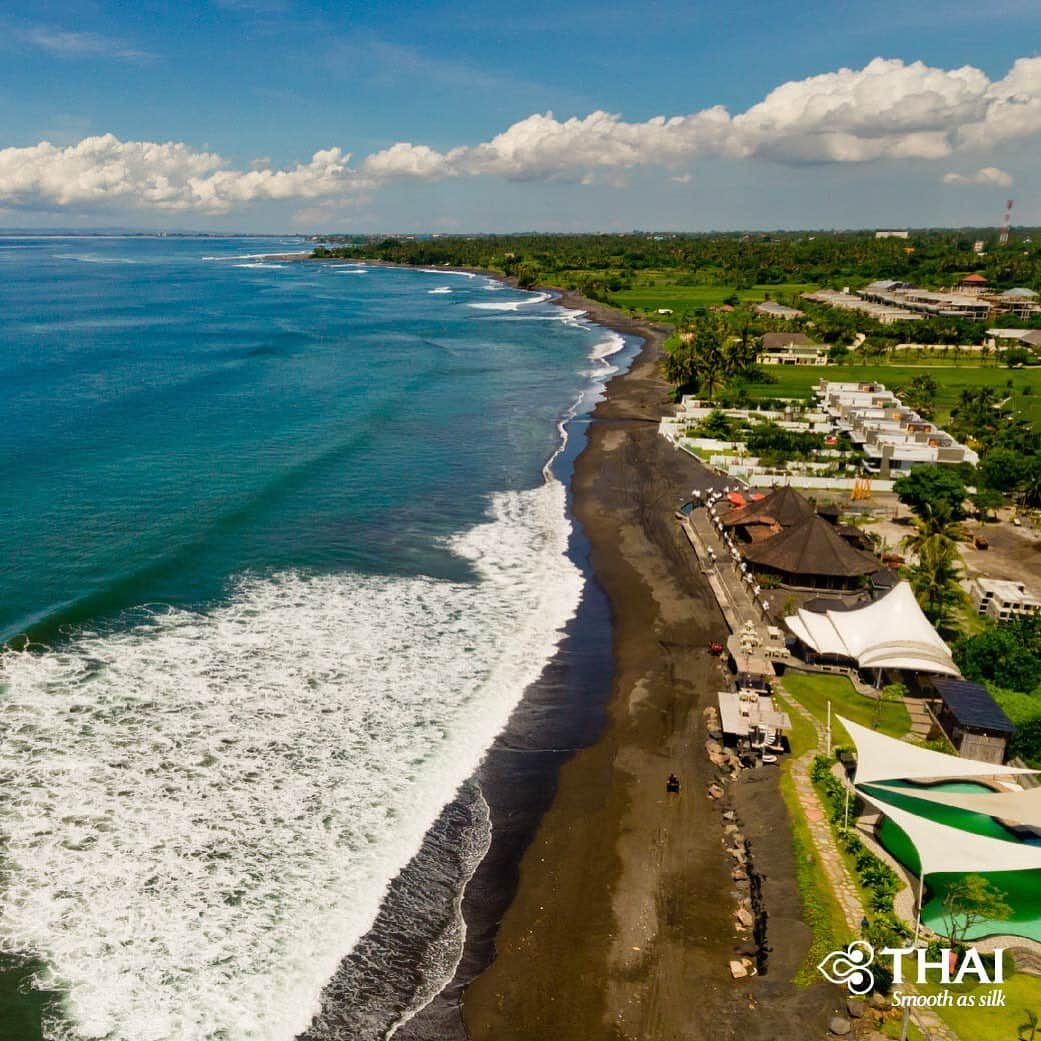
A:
x: 280, y: 552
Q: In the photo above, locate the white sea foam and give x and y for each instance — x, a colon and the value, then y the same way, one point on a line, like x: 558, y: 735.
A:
x: 93, y: 258
x: 445, y: 271
x: 201, y: 814
x: 360, y: 270
x: 440, y: 289
x: 513, y: 305
x: 260, y: 264
x: 605, y: 348
x: 259, y: 256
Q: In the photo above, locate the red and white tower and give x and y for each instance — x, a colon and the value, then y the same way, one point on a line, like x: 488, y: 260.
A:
x: 1003, y: 237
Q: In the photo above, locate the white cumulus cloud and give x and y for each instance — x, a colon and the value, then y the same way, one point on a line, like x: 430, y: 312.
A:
x: 887, y: 110
x: 104, y: 171
x: 984, y: 175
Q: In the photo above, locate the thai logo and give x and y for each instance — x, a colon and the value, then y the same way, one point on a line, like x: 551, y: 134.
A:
x: 851, y: 966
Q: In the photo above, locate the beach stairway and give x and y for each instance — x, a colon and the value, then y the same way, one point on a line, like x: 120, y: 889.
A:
x: 921, y: 718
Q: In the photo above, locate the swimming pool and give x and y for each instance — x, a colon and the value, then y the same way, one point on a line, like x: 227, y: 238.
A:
x: 1022, y: 889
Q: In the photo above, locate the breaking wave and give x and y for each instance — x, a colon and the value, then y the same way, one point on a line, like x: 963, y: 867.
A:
x: 201, y: 812
x: 513, y: 305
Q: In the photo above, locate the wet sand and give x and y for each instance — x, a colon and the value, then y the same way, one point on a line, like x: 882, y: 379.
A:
x: 619, y: 923
x: 623, y: 920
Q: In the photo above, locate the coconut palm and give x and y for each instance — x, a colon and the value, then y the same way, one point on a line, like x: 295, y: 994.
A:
x: 934, y: 523
x: 934, y: 580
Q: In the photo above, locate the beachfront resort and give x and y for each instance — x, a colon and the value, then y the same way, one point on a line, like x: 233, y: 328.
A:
x: 900, y: 771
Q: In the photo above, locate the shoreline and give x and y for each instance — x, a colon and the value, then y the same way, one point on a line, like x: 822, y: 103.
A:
x: 561, y: 714
x: 622, y: 923
x: 607, y: 908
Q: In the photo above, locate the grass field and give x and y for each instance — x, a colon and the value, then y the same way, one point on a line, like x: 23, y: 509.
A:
x: 1022, y: 992
x: 688, y: 298
x: 798, y: 381
x: 814, y: 692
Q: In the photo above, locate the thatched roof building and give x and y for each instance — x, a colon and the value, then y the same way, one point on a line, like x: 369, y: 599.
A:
x: 811, y: 554
x: 768, y: 516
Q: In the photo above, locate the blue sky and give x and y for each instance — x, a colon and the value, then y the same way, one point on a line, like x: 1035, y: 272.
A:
x: 262, y: 85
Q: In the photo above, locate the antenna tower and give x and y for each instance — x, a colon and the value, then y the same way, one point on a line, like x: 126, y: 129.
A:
x: 1003, y: 237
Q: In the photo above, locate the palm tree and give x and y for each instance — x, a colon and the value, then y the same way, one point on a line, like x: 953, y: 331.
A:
x: 934, y: 524
x: 1032, y: 487
x: 934, y: 580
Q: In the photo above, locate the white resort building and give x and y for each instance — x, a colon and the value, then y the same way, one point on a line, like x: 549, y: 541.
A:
x: 1001, y: 600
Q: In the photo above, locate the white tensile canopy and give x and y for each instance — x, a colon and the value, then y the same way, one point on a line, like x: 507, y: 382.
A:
x: 882, y: 758
x: 891, y: 633
x: 943, y: 848
x: 1023, y: 807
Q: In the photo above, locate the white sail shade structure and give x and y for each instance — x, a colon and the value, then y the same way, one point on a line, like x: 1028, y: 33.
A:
x: 882, y: 758
x: 943, y: 848
x: 1023, y: 807
x: 891, y: 633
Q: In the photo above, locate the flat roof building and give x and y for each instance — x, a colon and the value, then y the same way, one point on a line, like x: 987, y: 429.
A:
x: 750, y: 718
x: 1001, y: 600
x: 772, y: 309
x: 791, y: 349
x: 893, y: 437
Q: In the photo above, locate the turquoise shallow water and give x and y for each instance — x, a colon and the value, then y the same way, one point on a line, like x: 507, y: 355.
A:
x: 283, y: 544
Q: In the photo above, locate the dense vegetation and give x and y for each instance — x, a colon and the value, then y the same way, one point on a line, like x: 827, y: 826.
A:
x: 608, y: 264
x: 704, y: 286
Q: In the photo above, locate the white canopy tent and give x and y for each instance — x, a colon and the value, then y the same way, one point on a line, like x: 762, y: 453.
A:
x: 943, y: 848
x: 882, y: 758
x: 1023, y: 807
x: 891, y: 633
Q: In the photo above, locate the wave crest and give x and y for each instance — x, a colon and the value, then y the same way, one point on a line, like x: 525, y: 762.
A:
x: 202, y: 813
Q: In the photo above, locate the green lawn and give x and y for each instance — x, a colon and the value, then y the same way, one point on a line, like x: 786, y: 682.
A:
x: 814, y: 692
x: 798, y: 381
x: 1022, y: 992
x: 803, y: 735
x: 688, y: 298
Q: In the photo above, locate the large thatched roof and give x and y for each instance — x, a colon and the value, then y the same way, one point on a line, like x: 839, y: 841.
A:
x: 811, y: 547
x: 784, y: 506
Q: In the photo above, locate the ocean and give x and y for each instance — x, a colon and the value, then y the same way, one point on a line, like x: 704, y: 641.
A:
x: 282, y: 546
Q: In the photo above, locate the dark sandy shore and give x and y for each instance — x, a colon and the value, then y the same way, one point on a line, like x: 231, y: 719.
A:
x: 623, y: 921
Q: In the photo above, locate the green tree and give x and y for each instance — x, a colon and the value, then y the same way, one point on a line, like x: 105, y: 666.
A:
x: 890, y: 694
x: 1007, y: 654
x: 1032, y: 484
x: 717, y: 424
x: 934, y: 580
x: 920, y: 394
x: 969, y: 901
x: 1004, y: 469
x: 933, y: 488
x: 1028, y: 1031
x: 986, y: 501
x: 933, y: 521
x: 702, y: 361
